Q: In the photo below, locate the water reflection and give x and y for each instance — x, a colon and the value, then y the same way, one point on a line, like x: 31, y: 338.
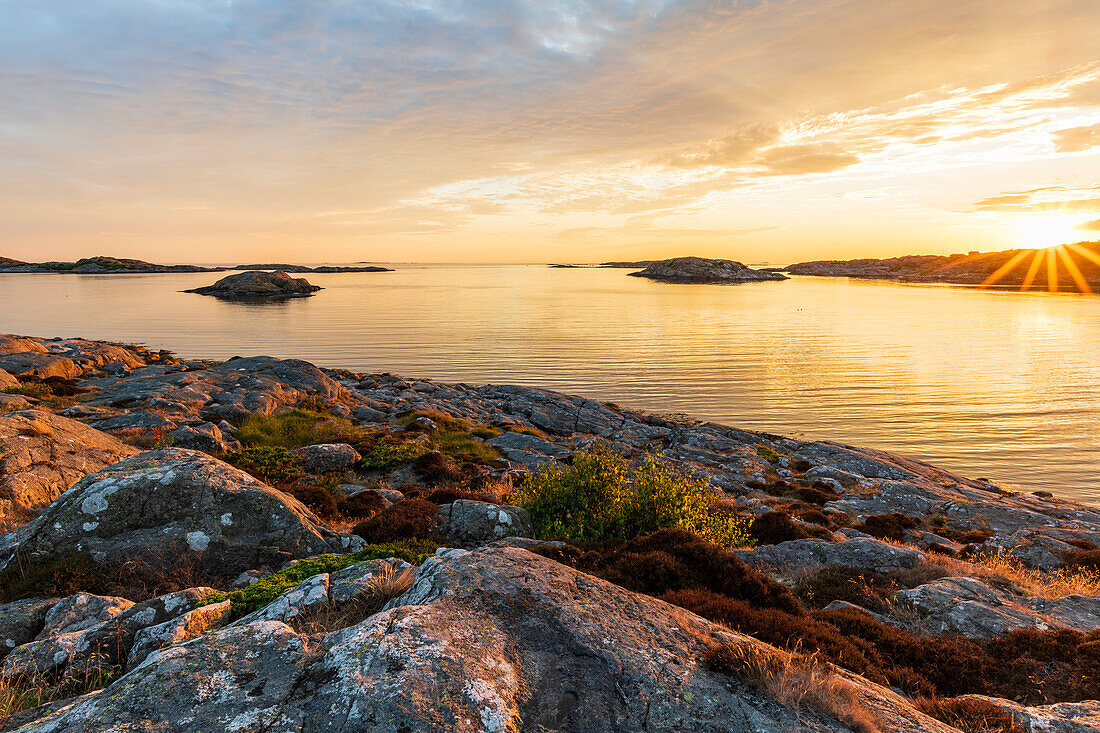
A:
x: 990, y: 383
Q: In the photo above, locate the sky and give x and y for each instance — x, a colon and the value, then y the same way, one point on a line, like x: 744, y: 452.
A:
x: 545, y: 130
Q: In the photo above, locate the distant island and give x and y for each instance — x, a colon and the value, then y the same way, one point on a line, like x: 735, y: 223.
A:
x: 103, y: 265
x: 98, y: 266
x: 702, y: 270
x: 628, y: 265
x: 304, y: 268
x: 1010, y: 268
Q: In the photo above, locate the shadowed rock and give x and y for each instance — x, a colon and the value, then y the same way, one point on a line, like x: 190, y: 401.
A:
x: 254, y: 284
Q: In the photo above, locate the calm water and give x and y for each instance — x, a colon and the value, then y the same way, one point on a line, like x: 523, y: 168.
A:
x: 994, y: 384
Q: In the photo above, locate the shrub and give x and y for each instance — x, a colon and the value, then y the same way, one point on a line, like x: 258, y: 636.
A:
x: 674, y: 559
x: 768, y: 454
x: 969, y: 715
x: 263, y: 592
x: 408, y: 518
x: 597, y: 498
x: 784, y: 630
x: 887, y: 526
x: 1089, y: 559
x: 364, y: 504
x: 775, y: 527
x: 272, y: 465
x: 862, y: 587
x: 381, y: 450
x: 437, y: 468
x: 318, y: 499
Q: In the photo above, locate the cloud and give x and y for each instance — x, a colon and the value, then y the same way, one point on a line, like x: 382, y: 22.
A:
x: 802, y: 159
x: 1077, y: 139
x: 1043, y: 200
x: 208, y: 121
x: 1090, y: 226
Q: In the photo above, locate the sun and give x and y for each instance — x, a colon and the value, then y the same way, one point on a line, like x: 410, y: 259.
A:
x: 1046, y: 230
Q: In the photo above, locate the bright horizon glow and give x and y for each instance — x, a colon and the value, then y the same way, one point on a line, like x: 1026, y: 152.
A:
x: 560, y: 131
x: 1049, y: 230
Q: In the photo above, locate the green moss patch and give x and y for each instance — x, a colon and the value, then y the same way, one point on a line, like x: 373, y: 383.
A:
x: 258, y: 595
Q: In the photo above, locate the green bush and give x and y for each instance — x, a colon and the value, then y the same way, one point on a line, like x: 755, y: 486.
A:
x: 263, y: 592
x: 599, y: 498
x: 269, y: 464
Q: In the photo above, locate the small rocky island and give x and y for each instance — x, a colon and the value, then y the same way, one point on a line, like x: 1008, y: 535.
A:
x: 258, y: 285
x: 261, y: 545
x: 702, y: 270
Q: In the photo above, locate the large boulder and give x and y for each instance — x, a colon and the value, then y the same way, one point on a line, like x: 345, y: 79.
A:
x: 468, y: 523
x: 256, y: 284
x: 42, y: 366
x: 42, y: 455
x: 175, y: 505
x: 493, y: 640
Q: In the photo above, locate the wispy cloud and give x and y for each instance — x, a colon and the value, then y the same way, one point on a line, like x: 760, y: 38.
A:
x: 428, y: 125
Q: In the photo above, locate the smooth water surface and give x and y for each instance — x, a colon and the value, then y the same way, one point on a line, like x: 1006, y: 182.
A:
x: 1000, y: 385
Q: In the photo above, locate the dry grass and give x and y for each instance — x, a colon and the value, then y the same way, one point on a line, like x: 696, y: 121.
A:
x: 1005, y: 572
x: 382, y: 588
x: 797, y: 681
x: 34, y: 690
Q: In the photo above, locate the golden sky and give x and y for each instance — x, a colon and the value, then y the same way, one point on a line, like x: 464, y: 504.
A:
x: 508, y: 131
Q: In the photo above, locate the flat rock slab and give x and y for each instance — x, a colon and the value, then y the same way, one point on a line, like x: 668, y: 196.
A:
x: 42, y: 455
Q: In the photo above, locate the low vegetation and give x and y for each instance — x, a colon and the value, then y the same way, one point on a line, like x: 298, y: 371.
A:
x: 601, y: 497
x: 381, y: 589
x: 796, y: 681
x: 410, y: 518
x: 137, y: 579
x: 246, y: 600
x: 970, y: 715
x: 32, y: 691
x: 1031, y: 666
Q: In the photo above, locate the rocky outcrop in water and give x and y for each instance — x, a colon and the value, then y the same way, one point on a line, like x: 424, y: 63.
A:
x: 701, y: 270
x: 258, y: 285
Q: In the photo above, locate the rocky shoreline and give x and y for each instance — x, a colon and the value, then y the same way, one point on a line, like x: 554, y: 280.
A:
x: 263, y: 545
x: 973, y: 268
